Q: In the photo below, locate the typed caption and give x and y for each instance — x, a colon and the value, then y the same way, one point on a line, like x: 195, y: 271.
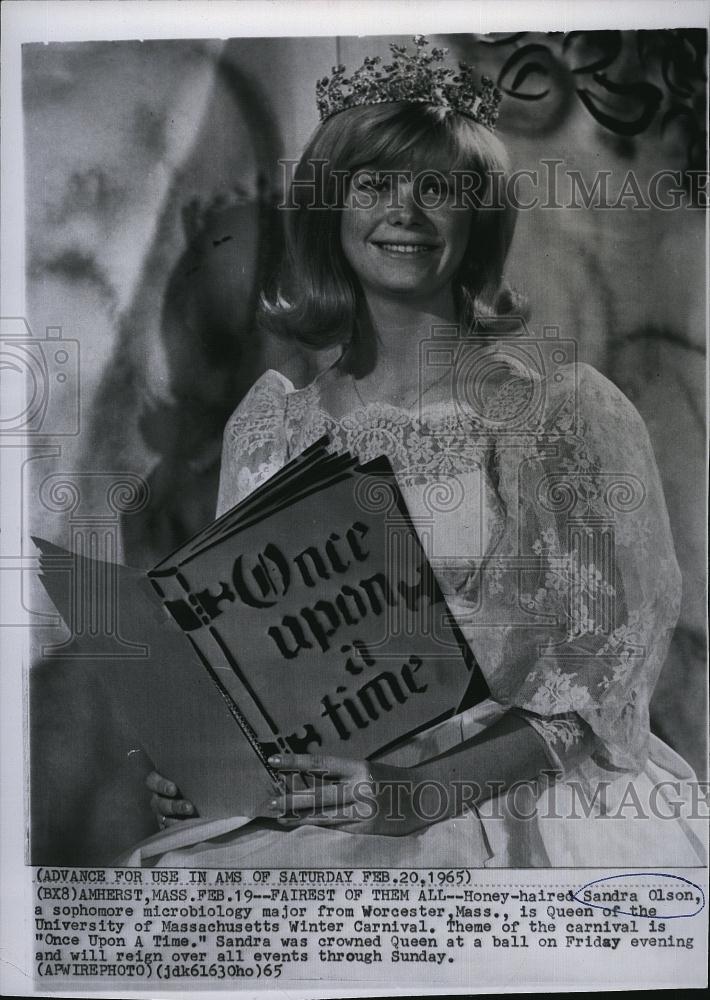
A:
x: 169, y: 926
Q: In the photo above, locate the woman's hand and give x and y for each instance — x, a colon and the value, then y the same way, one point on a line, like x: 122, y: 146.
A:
x: 356, y: 796
x: 166, y: 801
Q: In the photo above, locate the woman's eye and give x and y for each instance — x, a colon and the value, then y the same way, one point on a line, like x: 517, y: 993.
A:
x: 436, y: 187
x: 372, y: 181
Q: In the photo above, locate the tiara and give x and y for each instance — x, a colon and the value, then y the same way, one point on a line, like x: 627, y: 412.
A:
x: 415, y: 78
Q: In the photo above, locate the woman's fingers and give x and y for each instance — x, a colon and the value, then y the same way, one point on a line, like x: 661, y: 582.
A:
x: 333, y: 799
x: 165, y: 800
x: 320, y: 797
x: 171, y: 807
x: 160, y: 785
x: 320, y: 764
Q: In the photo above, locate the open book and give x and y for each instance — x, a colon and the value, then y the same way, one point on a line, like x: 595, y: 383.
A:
x: 305, y: 619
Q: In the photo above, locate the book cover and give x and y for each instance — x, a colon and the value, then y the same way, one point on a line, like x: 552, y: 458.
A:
x: 305, y: 619
x: 168, y: 701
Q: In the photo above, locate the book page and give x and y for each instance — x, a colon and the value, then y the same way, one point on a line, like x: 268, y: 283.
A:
x: 470, y: 239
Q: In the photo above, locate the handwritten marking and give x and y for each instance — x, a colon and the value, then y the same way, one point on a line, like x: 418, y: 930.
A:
x: 637, y: 910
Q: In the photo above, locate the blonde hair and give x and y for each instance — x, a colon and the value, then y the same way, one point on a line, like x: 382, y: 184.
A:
x: 319, y: 301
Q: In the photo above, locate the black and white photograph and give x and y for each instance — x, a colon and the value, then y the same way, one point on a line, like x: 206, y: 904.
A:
x: 354, y: 482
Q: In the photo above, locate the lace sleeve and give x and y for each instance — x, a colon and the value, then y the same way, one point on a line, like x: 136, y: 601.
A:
x: 576, y: 604
x: 254, y: 444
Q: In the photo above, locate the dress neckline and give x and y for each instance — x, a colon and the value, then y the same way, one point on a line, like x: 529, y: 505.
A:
x: 412, y: 410
x: 292, y: 389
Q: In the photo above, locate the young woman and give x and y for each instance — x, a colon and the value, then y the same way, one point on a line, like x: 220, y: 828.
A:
x: 555, y: 558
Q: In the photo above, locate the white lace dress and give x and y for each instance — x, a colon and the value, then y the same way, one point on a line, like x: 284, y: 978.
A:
x: 552, y: 547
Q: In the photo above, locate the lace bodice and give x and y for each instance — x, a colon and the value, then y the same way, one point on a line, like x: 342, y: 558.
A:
x: 549, y: 537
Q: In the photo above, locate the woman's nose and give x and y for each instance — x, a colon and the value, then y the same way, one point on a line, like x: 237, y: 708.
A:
x: 403, y: 207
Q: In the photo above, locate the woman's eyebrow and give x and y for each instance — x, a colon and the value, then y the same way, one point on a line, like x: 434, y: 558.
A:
x: 389, y: 171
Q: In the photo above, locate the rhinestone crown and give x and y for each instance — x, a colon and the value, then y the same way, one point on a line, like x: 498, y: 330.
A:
x: 416, y: 78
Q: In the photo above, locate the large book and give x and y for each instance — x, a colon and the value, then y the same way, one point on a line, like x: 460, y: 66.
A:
x: 306, y: 619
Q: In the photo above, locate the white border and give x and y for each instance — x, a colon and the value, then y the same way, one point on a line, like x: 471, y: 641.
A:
x: 85, y: 20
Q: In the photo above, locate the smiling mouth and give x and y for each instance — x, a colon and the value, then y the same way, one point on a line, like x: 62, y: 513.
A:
x: 406, y: 248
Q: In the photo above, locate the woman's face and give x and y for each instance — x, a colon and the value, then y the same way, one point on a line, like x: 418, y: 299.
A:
x: 402, y: 232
